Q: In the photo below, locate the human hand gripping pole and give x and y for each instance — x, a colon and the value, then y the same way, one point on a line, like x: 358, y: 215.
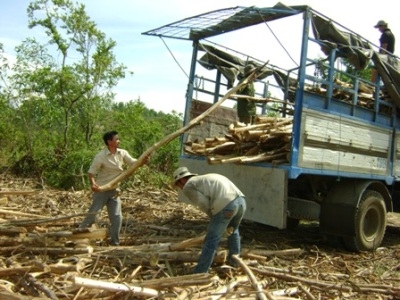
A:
x: 144, y: 157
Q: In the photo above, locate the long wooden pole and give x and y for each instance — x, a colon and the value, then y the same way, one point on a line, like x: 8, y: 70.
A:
x: 141, y: 160
x: 256, y: 285
x: 111, y: 286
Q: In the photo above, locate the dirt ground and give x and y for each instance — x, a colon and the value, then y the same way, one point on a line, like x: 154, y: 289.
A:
x: 279, y: 264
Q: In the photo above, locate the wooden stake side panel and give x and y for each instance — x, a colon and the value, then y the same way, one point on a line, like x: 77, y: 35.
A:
x: 265, y: 188
x: 330, y: 142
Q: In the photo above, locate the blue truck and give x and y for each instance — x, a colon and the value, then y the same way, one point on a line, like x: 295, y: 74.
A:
x: 342, y: 164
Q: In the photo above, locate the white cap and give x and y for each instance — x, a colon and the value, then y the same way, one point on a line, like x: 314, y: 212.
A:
x: 181, y: 173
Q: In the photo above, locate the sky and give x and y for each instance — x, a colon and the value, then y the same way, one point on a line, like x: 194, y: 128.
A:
x: 159, y: 78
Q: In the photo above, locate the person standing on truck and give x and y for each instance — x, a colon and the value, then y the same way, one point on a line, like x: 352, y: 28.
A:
x: 387, y: 43
x: 387, y: 39
x: 107, y: 165
x: 223, y: 202
x: 246, y: 108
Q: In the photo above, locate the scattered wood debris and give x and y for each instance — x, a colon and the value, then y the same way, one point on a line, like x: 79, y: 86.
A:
x: 43, y: 255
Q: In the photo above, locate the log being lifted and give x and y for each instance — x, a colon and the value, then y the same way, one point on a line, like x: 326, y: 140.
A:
x: 113, y: 183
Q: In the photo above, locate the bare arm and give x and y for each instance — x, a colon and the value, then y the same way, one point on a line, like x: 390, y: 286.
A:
x: 93, y: 184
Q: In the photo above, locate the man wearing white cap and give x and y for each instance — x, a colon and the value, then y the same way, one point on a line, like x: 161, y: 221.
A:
x: 219, y: 198
x: 387, y: 39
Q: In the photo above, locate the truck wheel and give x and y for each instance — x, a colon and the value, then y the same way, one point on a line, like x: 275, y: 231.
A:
x: 370, y: 223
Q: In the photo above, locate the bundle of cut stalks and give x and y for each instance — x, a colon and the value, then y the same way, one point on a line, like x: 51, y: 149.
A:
x: 268, y: 140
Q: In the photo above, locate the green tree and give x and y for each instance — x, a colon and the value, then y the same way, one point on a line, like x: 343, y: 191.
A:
x: 62, y: 86
x: 349, y: 73
x: 7, y: 111
x: 81, y: 82
x: 140, y: 128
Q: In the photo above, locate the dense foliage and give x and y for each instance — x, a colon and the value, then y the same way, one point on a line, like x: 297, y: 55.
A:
x: 56, y: 102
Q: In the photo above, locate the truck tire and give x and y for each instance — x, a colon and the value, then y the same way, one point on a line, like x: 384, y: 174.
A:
x: 370, y: 223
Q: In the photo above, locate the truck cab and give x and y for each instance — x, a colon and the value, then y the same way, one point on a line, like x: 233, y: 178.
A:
x: 330, y: 149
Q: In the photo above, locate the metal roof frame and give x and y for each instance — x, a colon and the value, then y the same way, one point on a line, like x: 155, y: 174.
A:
x: 222, y: 21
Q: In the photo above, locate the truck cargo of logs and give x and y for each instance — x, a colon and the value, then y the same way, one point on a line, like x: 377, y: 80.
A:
x: 343, y: 91
x: 268, y: 140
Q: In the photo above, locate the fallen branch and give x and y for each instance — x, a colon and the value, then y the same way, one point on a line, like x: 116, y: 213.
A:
x: 263, y: 254
x: 187, y: 292
x: 117, y: 287
x: 187, y: 243
x: 79, y: 233
x: 37, y: 267
x: 223, y: 290
x: 184, y: 280
x: 149, y: 258
x: 18, y: 213
x: 40, y: 221
x: 260, y: 293
x: 41, y: 287
x: 62, y: 251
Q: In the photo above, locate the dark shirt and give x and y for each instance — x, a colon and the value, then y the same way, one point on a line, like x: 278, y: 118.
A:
x: 387, y: 37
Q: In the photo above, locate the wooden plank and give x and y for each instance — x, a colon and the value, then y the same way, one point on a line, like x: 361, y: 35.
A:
x: 335, y: 130
x: 343, y: 145
x: 327, y: 159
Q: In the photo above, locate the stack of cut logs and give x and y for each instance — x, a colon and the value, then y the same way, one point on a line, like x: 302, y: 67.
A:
x: 268, y: 140
x: 365, y: 95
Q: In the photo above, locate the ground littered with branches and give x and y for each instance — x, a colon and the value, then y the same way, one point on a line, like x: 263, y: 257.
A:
x: 43, y: 255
